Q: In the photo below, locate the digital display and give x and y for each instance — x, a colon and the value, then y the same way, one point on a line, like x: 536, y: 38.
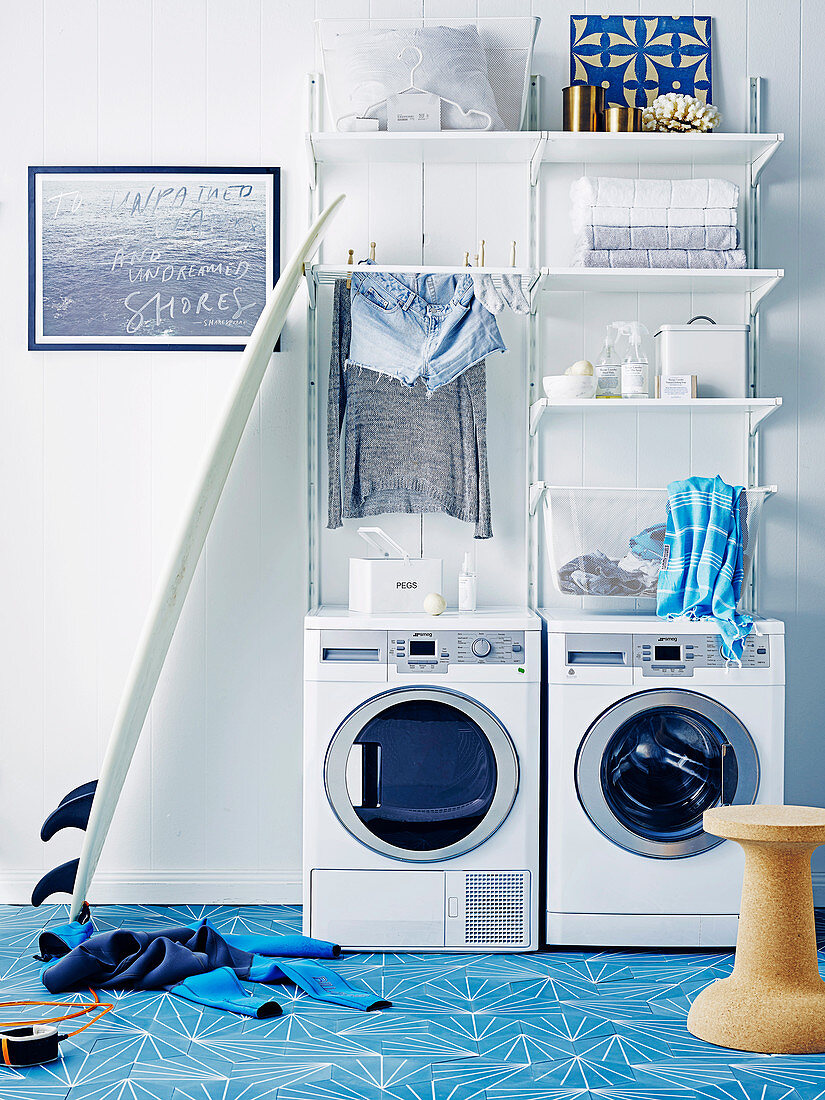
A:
x: 422, y: 649
x: 667, y: 653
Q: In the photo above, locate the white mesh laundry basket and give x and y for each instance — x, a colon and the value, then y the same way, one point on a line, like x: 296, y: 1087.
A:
x: 482, y: 65
x: 607, y: 542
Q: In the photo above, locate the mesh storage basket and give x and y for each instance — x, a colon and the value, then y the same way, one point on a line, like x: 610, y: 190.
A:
x: 608, y: 542
x: 481, y: 65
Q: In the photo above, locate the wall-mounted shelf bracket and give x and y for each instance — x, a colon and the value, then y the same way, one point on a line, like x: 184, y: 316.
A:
x: 536, y: 493
x: 760, y: 292
x: 537, y: 157
x: 312, y: 286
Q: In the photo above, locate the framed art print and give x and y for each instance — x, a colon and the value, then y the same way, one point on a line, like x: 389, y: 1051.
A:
x: 150, y: 258
x: 638, y: 57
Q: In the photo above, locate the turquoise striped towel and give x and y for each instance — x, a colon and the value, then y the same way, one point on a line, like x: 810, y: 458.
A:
x: 701, y: 575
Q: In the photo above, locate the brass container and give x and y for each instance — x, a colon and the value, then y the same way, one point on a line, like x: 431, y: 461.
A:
x: 623, y: 120
x: 583, y: 107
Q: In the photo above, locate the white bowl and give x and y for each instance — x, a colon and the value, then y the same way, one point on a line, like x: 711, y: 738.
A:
x: 569, y: 387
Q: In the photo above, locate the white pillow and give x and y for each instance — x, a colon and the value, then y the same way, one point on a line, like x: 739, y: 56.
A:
x: 454, y: 66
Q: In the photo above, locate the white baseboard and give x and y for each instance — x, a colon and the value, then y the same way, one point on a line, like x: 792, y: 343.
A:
x: 170, y: 887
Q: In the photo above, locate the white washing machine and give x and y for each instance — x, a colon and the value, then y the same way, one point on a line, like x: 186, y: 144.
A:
x: 421, y: 780
x: 648, y: 728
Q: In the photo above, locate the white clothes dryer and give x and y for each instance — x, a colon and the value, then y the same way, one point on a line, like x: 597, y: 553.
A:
x: 421, y: 780
x: 647, y: 728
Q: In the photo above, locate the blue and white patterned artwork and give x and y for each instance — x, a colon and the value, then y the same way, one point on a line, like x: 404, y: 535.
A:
x: 157, y: 258
x: 636, y: 58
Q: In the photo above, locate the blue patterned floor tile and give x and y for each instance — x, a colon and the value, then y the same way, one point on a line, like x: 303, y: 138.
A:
x: 688, y: 1073
x: 556, y: 1025
x: 582, y: 1072
x: 752, y: 1090
x: 630, y: 1050
x: 123, y: 1090
x: 566, y: 1023
x: 804, y: 1073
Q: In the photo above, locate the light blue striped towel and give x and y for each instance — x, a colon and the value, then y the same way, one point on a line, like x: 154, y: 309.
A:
x: 701, y: 575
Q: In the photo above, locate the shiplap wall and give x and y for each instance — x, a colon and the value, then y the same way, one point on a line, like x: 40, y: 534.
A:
x: 98, y: 450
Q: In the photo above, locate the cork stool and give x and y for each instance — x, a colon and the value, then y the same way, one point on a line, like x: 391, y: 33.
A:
x: 774, y: 1001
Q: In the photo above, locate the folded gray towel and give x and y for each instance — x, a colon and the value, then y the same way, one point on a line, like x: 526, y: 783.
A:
x: 660, y: 257
x: 715, y: 237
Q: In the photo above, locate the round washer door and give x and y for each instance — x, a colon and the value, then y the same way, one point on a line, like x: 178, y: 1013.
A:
x: 651, y: 764
x: 421, y: 774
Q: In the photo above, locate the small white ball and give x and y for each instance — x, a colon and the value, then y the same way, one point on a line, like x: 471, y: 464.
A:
x: 582, y: 367
x: 434, y: 603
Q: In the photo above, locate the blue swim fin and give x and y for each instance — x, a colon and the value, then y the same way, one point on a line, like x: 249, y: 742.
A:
x: 325, y: 984
x: 274, y: 945
x: 221, y: 989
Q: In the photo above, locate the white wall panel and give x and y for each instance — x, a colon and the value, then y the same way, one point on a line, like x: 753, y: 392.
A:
x: 101, y: 450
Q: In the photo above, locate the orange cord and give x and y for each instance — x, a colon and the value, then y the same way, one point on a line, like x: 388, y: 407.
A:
x: 83, y: 1010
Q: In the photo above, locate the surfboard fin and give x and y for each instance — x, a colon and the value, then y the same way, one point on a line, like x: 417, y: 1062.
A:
x: 72, y: 812
x: 60, y: 880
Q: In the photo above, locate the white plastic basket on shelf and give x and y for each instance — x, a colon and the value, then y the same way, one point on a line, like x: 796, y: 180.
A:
x: 480, y: 68
x: 608, y: 542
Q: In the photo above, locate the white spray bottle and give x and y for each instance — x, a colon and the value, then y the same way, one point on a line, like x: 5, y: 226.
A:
x: 468, y: 584
x: 635, y: 365
x: 608, y: 367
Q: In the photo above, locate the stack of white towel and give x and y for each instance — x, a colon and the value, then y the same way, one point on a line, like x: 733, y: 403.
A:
x: 655, y: 223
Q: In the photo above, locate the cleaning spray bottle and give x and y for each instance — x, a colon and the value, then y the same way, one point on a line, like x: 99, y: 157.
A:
x: 608, y: 373
x: 635, y: 365
x: 468, y: 584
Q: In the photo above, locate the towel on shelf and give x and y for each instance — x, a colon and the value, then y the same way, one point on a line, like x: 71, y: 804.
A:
x: 620, y: 191
x: 702, y: 568
x: 717, y: 238
x: 696, y: 258
x: 583, y: 215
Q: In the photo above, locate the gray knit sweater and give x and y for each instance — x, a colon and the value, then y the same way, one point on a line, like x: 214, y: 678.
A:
x: 404, y: 450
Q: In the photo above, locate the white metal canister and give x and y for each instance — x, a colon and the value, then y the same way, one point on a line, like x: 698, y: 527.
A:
x: 393, y: 582
x: 716, y: 354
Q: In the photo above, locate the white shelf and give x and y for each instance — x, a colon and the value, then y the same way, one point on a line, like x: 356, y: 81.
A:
x: 748, y: 149
x: 756, y: 409
x: 442, y: 147
x: 548, y: 146
x: 757, y: 282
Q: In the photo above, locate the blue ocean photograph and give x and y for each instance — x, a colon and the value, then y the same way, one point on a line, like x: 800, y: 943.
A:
x: 152, y: 257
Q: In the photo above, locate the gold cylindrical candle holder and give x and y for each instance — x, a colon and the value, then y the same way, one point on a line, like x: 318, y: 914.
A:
x: 623, y: 120
x: 583, y: 107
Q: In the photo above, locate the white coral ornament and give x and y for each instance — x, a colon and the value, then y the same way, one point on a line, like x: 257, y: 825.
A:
x: 674, y: 111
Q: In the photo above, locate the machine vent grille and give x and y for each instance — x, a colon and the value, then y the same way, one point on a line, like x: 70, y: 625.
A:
x: 496, y: 908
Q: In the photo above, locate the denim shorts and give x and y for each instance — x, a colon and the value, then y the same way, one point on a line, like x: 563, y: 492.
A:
x: 419, y: 326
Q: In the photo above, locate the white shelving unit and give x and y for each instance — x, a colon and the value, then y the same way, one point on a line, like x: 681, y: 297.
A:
x: 534, y: 149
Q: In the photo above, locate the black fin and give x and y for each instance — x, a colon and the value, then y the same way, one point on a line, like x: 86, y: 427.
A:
x: 79, y: 792
x: 70, y: 814
x: 60, y: 880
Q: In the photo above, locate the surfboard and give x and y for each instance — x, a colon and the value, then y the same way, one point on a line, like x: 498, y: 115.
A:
x: 176, y: 576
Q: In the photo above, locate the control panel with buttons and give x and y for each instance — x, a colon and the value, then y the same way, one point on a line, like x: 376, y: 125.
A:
x: 423, y: 651
x: 678, y: 655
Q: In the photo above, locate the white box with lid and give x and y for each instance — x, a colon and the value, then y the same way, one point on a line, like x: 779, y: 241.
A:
x: 716, y: 354
x: 394, y: 582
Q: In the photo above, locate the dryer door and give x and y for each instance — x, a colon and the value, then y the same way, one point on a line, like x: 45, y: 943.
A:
x: 421, y: 774
x: 651, y: 764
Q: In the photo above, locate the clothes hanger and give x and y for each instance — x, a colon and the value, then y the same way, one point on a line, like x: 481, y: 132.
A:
x: 413, y: 87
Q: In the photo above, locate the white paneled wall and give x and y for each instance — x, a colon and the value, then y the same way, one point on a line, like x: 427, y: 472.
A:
x: 99, y: 449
